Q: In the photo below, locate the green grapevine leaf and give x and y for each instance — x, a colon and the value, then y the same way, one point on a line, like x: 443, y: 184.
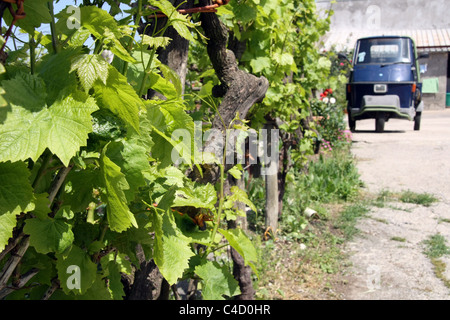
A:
x: 16, y: 196
x: 64, y: 212
x: 31, y: 127
x: 173, y: 77
x: 42, y: 206
x: 78, y: 258
x: 79, y: 187
x: 217, y: 281
x: 26, y: 90
x: 49, y: 235
x: 90, y: 68
x: 117, y: 48
x: 70, y: 125
x: 245, y: 13
x: 101, y: 25
x: 162, y: 85
x: 8, y: 222
x: 261, y: 63
x: 171, y: 251
x: 98, y: 21
x: 58, y: 64
x: 165, y: 119
x: 119, y: 216
x: 155, y: 42
x: 173, y: 176
x: 178, y: 21
x: 123, y: 264
x: 238, y: 195
x: 115, y: 283
x: 119, y: 97
x: 113, y: 265
x: 242, y: 244
x: 203, y: 196
x: 133, y: 162
x: 235, y: 172
x: 16, y: 193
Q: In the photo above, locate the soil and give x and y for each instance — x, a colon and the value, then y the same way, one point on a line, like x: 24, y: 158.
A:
x: 387, y: 257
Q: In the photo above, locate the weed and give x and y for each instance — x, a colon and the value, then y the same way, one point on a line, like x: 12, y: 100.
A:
x: 383, y: 197
x: 444, y: 220
x: 424, y: 199
x: 348, y: 219
x: 436, y: 246
x: 439, y: 271
x: 399, y: 239
x: 380, y: 220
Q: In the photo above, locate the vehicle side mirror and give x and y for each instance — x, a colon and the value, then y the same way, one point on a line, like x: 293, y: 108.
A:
x: 343, y: 56
x: 424, y: 55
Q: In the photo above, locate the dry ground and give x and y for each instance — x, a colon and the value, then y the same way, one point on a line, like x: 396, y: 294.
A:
x: 397, y: 160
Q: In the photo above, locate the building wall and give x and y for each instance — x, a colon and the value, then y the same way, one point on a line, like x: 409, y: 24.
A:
x: 388, y: 14
x: 436, y: 68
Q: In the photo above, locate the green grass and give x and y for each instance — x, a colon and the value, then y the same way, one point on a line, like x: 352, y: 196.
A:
x: 399, y: 239
x: 439, y: 271
x: 436, y: 246
x: 424, y: 199
x: 408, y: 196
x: 349, y: 217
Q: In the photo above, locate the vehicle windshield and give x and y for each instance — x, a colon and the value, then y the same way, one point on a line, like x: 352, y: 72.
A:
x: 383, y: 51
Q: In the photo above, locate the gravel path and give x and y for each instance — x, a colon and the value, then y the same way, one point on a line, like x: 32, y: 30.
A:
x: 397, y: 160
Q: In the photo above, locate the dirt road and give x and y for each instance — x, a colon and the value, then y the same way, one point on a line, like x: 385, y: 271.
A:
x: 387, y: 256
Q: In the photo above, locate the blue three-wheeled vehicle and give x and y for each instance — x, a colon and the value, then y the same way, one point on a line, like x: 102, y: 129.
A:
x: 385, y: 82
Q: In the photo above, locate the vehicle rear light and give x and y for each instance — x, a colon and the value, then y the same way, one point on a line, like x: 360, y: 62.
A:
x: 349, y: 88
x: 414, y: 87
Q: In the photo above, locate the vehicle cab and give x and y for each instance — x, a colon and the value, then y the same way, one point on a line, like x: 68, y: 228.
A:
x: 385, y: 82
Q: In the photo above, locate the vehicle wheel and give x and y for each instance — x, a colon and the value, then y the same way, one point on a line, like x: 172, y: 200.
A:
x: 379, y: 122
x: 351, y: 124
x: 417, y: 119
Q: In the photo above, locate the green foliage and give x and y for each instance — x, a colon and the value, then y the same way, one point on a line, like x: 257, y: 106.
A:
x: 217, y: 281
x: 348, y: 219
x: 330, y: 178
x: 172, y: 251
x: 85, y: 163
x: 331, y: 105
x: 31, y: 126
x: 424, y: 199
x: 436, y: 246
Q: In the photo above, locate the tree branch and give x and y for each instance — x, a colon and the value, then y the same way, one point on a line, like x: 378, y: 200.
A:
x: 16, y: 255
x: 240, y: 90
x: 21, y: 282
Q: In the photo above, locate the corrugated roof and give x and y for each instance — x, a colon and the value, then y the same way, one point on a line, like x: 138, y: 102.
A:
x: 433, y: 40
